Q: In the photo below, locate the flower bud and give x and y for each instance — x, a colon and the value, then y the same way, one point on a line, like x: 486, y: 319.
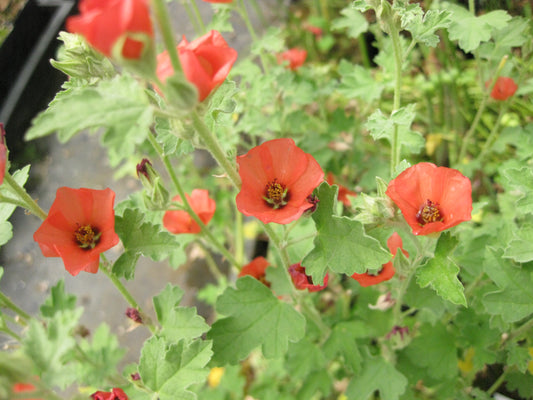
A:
x: 155, y: 194
x: 79, y: 60
x: 134, y: 315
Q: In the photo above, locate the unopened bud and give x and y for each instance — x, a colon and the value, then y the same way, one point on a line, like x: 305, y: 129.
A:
x: 156, y: 195
x: 134, y: 315
x: 135, y: 376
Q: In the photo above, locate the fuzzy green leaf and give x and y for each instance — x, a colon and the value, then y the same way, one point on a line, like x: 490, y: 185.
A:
x: 140, y: 238
x: 514, y: 299
x: 177, y: 322
x: 441, y: 272
x: 6, y: 209
x: 377, y: 374
x: 169, y: 369
x: 341, y: 244
x: 255, y: 318
x: 352, y: 20
x: 58, y: 301
x: 470, y: 30
x: 120, y: 106
x: 358, y: 82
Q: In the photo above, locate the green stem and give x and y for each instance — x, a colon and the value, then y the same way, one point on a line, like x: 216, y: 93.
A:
x: 243, y: 12
x: 6, y: 301
x: 499, y: 381
x: 211, y: 264
x: 282, y: 248
x: 206, y: 232
x: 125, y: 293
x: 198, y: 16
x: 324, y: 9
x: 239, y: 237
x: 259, y: 12
x: 213, y: 146
x: 494, y: 131
x: 312, y: 313
x: 163, y: 20
x: 9, y: 332
x: 517, y: 333
x: 30, y: 204
x: 398, y: 62
x: 363, y: 50
x: 192, y: 16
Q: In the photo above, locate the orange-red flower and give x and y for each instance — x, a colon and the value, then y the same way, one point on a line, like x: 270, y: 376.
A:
x: 80, y: 225
x: 303, y: 281
x: 504, y: 88
x: 206, y: 62
x: 277, y: 178
x: 115, y: 394
x: 106, y: 23
x: 432, y: 198
x: 295, y: 57
x: 256, y: 268
x: 24, y: 387
x: 387, y: 271
x: 3, y: 153
x: 344, y: 192
x: 181, y: 222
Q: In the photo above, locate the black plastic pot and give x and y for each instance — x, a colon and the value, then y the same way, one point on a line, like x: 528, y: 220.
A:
x: 27, y: 80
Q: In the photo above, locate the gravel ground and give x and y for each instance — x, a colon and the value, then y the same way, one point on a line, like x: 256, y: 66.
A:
x: 28, y: 276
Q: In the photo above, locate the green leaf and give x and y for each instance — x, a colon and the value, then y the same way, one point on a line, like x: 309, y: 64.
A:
x: 255, y: 318
x: 342, y: 341
x: 423, y: 26
x: 514, y: 299
x: 377, y: 374
x: 140, y: 238
x: 102, y: 355
x: 120, y: 106
x: 358, y: 82
x: 520, y: 248
x: 6, y: 209
x: 518, y: 356
x: 523, y: 383
x: 352, y: 20
x: 434, y: 351
x: 169, y: 369
x: 6, y: 232
x: 441, y: 272
x: 522, y: 180
x: 304, y: 357
x: 177, y: 322
x: 382, y: 127
x: 58, y: 301
x: 470, y: 30
x: 341, y: 243
x: 48, y: 346
x: 271, y: 42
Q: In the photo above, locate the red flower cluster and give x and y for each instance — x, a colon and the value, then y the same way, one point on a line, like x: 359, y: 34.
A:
x: 181, y: 222
x: 277, y: 179
x: 3, y: 153
x: 24, y: 387
x: 256, y: 268
x: 303, y: 281
x: 344, y: 192
x: 206, y: 62
x: 115, y: 394
x: 387, y: 271
x: 79, y: 226
x: 432, y: 198
x: 504, y: 88
x: 106, y: 23
x: 295, y: 58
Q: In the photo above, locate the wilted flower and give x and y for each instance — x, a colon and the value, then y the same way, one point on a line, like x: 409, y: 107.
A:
x: 277, y: 178
x: 80, y: 225
x: 115, y: 394
x: 303, y: 281
x: 432, y: 198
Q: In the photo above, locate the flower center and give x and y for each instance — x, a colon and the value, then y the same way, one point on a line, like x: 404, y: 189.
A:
x: 275, y: 194
x: 428, y: 212
x: 87, y: 236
